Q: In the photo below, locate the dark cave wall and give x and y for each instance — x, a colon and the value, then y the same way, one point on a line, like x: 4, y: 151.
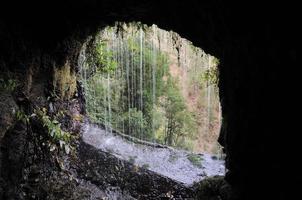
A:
x: 256, y: 44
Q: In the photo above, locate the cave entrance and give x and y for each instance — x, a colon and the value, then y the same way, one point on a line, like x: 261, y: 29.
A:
x: 153, y: 85
x: 147, y: 90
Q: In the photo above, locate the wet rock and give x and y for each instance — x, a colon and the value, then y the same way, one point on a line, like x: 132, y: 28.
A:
x: 214, y: 188
x: 8, y: 109
x: 100, y: 168
x: 12, y: 160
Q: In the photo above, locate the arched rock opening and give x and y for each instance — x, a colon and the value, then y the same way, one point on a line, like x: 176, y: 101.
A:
x: 252, y: 47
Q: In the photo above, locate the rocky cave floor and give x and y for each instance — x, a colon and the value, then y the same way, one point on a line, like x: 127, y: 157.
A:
x: 179, y: 165
x: 145, y: 170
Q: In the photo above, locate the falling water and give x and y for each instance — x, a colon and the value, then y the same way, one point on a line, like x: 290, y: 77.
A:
x: 105, y: 109
x: 154, y: 57
x: 128, y: 91
x: 141, y: 76
x: 109, y: 103
x: 154, y: 66
x: 139, y: 53
x: 209, y: 97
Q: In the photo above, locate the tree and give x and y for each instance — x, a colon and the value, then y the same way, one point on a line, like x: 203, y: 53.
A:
x: 134, y: 123
x: 179, y: 121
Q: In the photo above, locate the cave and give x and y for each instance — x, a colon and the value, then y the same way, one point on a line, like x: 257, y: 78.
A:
x: 257, y: 48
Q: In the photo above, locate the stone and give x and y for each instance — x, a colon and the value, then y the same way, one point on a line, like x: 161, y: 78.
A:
x: 8, y: 109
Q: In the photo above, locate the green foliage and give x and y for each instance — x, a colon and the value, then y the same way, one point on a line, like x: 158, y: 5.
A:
x: 54, y: 130
x: 195, y: 159
x: 123, y: 118
x: 8, y: 85
x: 104, y: 58
x: 21, y: 116
x: 180, y: 123
x: 53, y: 127
x: 134, y: 122
x: 210, y: 76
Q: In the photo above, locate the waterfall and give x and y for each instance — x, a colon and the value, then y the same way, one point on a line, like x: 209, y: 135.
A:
x: 105, y: 108
x: 154, y: 66
x: 123, y: 61
x: 130, y: 97
x: 128, y: 91
x: 209, y: 96
x: 133, y: 74
x: 109, y: 97
x: 82, y: 65
x: 141, y: 74
x: 153, y: 58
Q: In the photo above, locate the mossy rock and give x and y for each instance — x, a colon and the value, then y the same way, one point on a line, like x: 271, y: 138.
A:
x: 64, y: 81
x: 213, y: 188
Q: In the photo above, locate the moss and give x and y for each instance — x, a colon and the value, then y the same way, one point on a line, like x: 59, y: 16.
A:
x: 211, y: 75
x: 213, y: 188
x: 78, y: 117
x: 64, y: 82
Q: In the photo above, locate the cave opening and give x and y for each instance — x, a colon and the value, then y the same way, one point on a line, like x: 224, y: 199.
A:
x: 147, y: 89
x: 154, y: 85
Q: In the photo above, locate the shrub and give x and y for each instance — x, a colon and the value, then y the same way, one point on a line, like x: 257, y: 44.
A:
x: 8, y: 85
x: 57, y: 135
